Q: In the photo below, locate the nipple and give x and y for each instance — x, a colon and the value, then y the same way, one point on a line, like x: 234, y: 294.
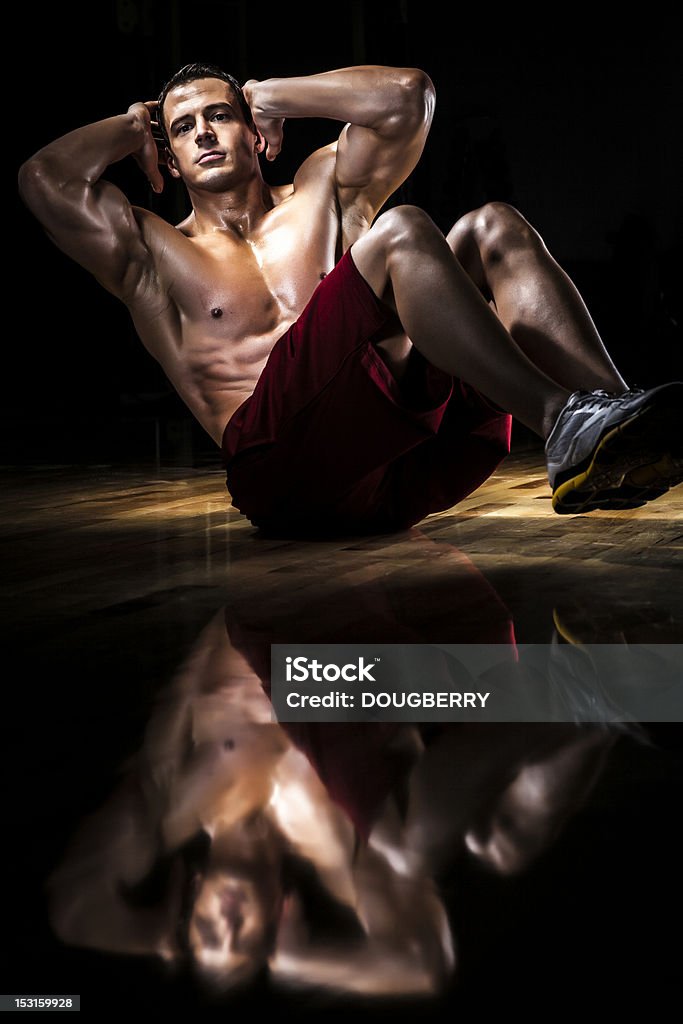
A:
x: 216, y: 312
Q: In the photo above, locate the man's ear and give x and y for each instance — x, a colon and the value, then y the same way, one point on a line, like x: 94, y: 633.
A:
x: 171, y: 164
x: 260, y: 143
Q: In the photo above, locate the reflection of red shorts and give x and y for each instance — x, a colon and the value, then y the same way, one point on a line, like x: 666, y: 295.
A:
x: 329, y: 440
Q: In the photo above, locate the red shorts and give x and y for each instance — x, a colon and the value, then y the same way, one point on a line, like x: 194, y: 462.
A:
x: 330, y: 441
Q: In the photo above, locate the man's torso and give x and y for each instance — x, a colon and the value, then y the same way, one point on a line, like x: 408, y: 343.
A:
x: 215, y: 305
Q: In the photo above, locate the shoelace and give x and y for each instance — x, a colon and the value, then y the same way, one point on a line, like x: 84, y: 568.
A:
x: 592, y: 394
x: 599, y: 393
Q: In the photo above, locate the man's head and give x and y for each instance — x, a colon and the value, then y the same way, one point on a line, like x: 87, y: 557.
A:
x: 237, y: 902
x: 201, y: 110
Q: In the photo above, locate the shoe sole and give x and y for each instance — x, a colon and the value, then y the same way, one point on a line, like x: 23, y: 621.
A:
x: 631, y: 465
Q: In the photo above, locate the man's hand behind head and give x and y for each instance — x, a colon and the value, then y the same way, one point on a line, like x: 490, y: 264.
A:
x: 151, y: 154
x: 270, y: 128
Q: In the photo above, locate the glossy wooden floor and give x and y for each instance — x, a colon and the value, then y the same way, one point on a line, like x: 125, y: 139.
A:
x: 94, y: 541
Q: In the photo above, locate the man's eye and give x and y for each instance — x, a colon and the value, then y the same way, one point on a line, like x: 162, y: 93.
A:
x: 220, y: 113
x: 180, y: 128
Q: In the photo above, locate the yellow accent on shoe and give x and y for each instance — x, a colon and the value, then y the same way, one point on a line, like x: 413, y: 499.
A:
x: 564, y: 632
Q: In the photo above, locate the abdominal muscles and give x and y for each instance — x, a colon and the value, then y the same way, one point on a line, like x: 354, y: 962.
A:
x: 215, y: 376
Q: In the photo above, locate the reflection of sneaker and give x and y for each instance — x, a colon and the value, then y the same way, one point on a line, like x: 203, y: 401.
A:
x: 616, y: 451
x: 594, y: 619
x: 584, y: 692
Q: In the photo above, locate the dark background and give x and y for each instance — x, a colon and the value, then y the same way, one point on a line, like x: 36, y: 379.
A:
x: 574, y: 123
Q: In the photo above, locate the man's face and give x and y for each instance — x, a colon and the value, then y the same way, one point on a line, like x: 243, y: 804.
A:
x: 213, y: 148
x: 229, y: 923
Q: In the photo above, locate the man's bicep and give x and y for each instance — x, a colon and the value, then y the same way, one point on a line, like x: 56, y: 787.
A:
x: 94, y: 225
x: 373, y: 162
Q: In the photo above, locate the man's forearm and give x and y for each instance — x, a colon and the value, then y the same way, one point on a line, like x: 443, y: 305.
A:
x: 370, y: 95
x: 86, y: 152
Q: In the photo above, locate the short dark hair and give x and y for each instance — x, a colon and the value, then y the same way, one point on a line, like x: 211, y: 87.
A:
x: 190, y: 73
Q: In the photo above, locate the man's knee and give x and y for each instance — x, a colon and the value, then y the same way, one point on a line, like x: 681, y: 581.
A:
x: 402, y: 230
x: 405, y: 227
x: 501, y: 231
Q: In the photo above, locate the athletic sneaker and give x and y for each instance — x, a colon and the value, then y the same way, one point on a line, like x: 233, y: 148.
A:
x: 616, y: 451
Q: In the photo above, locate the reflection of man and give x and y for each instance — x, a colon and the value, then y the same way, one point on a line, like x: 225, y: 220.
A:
x: 326, y: 352
x: 233, y: 845
x: 200, y: 852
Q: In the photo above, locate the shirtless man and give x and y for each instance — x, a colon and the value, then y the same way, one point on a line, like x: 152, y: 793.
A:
x: 357, y: 373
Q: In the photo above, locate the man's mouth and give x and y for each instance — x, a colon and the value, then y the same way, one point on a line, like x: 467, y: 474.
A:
x: 210, y: 157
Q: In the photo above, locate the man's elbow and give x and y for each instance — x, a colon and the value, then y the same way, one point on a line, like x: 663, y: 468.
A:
x: 419, y: 96
x: 32, y: 179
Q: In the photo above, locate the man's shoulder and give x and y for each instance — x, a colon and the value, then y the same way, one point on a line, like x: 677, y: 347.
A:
x: 281, y: 192
x: 159, y: 235
x: 152, y: 225
x: 318, y: 168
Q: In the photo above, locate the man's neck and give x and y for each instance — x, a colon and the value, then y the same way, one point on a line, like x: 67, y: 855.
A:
x: 239, y: 210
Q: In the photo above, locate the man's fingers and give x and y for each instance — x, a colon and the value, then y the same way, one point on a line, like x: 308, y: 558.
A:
x: 156, y: 181
x: 150, y: 164
x: 274, y: 149
x: 153, y: 110
x: 156, y: 178
x: 274, y: 136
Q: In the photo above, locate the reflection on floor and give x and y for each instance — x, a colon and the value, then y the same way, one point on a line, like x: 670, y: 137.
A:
x: 168, y: 833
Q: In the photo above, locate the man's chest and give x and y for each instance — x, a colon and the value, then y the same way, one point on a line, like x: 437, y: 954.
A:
x: 258, y: 281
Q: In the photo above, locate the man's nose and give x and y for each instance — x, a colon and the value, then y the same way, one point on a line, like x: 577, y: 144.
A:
x: 203, y: 131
